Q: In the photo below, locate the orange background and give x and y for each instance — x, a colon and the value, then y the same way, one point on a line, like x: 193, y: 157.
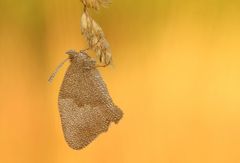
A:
x: 176, y: 76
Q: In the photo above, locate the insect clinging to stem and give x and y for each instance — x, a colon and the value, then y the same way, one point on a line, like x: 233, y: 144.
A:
x: 85, y: 106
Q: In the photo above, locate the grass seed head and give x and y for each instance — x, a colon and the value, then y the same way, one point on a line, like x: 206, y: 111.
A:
x: 96, y: 4
x: 95, y: 38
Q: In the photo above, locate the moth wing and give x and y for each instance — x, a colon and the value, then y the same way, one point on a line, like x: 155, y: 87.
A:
x: 81, y: 125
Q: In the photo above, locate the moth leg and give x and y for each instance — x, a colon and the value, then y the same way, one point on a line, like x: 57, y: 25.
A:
x: 102, y: 65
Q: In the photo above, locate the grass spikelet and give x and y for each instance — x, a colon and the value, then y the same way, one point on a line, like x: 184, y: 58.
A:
x: 94, y: 33
x: 96, y: 4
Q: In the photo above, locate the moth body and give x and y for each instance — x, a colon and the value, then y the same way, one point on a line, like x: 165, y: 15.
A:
x: 85, y: 106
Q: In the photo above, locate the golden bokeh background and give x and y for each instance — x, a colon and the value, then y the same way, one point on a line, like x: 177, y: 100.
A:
x: 176, y: 76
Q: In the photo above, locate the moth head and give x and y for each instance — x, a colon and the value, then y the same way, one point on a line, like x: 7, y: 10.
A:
x: 81, y: 58
x: 72, y: 54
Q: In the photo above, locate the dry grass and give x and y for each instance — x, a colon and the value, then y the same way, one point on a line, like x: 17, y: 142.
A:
x: 94, y: 33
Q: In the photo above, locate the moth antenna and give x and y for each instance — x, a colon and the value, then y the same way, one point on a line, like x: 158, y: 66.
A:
x: 56, y: 70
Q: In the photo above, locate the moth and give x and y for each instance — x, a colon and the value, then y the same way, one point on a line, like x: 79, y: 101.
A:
x: 85, y: 106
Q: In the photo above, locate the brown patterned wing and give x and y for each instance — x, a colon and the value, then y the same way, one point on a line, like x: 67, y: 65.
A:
x: 81, y: 125
x: 85, y: 107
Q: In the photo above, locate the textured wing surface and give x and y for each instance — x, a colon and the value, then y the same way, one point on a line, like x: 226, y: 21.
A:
x: 85, y: 106
x: 81, y: 125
